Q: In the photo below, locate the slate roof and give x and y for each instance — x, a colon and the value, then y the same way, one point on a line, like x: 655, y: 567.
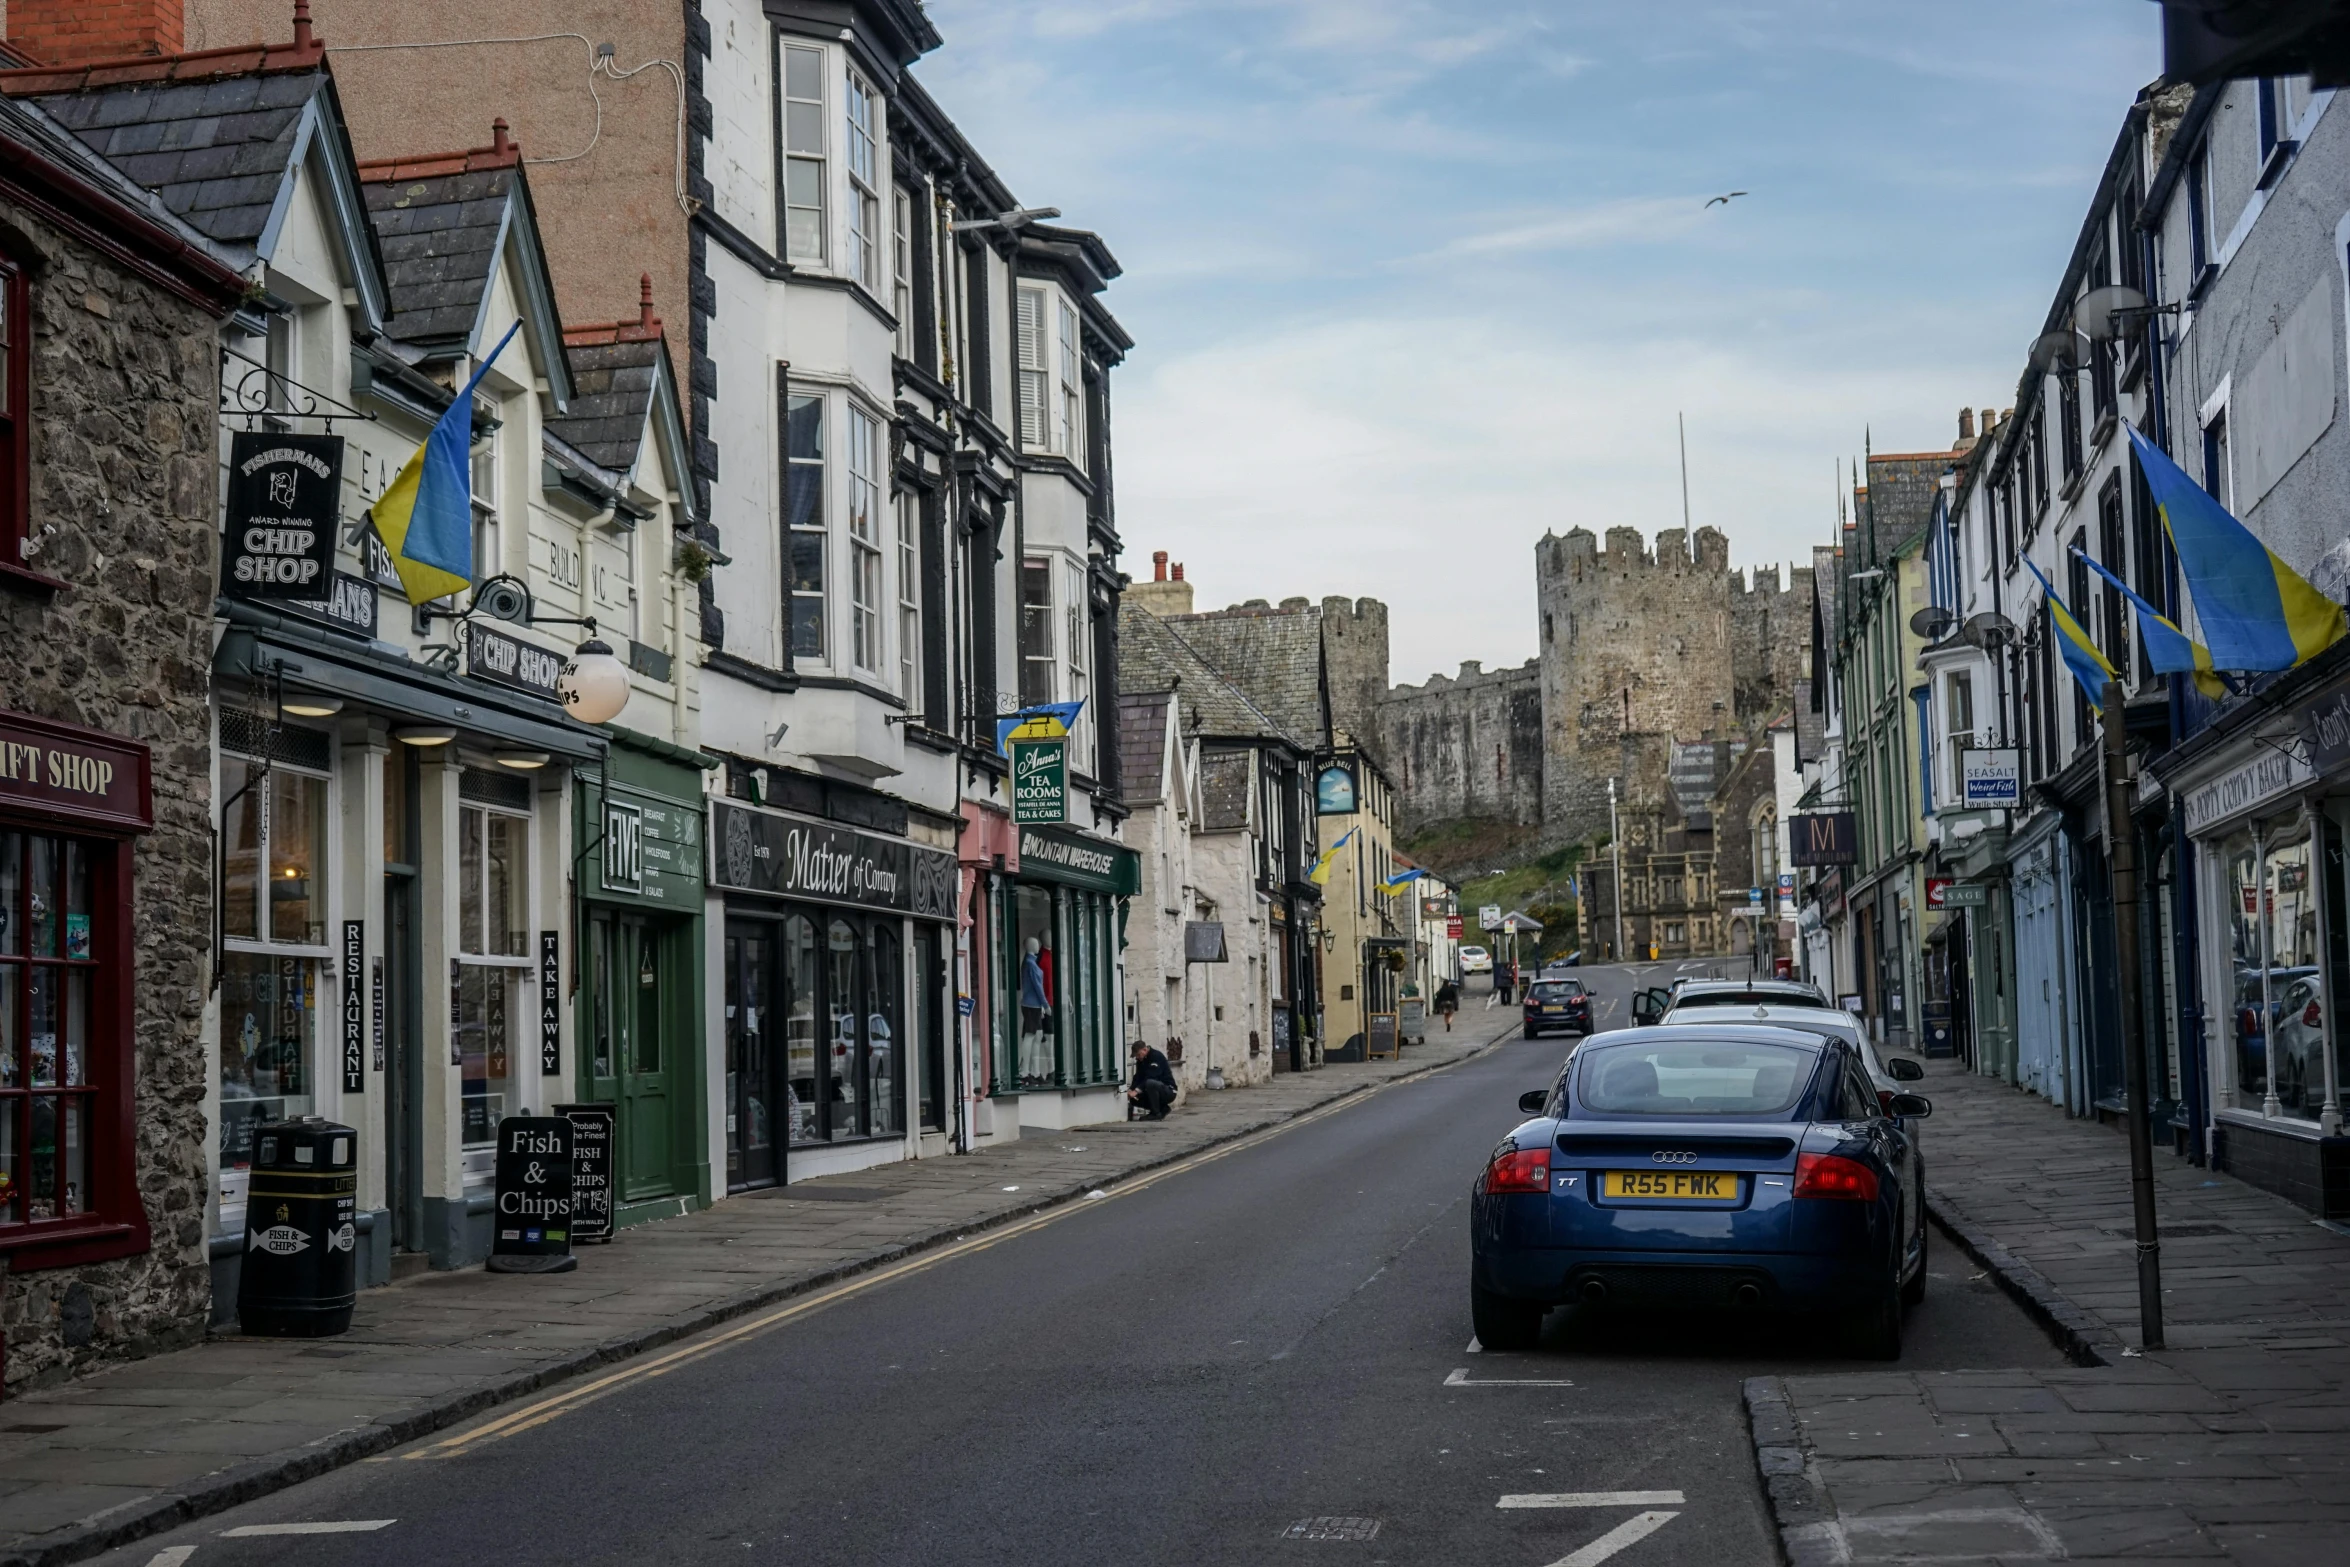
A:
x: 1142, y: 743
x: 615, y: 370
x: 439, y: 221
x: 211, y: 133
x: 1156, y: 653
x: 25, y: 123
x: 1273, y: 656
x: 1225, y: 781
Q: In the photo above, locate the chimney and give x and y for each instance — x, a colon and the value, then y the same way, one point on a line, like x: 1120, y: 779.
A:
x: 1158, y: 565
x: 1966, y: 424
x: 1990, y: 422
x: 500, y: 143
x: 75, y: 32
x: 1178, y: 570
x: 1166, y: 593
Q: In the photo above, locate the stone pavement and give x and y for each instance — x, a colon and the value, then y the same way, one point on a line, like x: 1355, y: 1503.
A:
x: 141, y: 1447
x: 2231, y: 1445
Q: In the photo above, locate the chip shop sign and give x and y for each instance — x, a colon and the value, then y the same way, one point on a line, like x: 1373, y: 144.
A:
x: 64, y: 771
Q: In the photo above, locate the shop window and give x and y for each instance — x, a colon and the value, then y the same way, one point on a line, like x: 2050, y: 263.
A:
x: 843, y: 1076
x: 1034, y: 937
x: 493, y: 964
x: 50, y: 1077
x: 2273, y: 928
x: 883, y: 1079
x: 274, y: 902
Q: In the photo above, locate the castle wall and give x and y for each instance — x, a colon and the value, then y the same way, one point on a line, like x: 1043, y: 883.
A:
x: 1467, y: 747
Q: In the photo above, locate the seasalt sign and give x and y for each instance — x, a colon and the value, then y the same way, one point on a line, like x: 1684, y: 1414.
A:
x: 65, y: 770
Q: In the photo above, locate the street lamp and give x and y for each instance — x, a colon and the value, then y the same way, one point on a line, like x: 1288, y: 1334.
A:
x: 594, y: 685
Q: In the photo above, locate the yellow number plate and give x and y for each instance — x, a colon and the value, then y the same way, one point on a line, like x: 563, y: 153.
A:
x: 1678, y: 1185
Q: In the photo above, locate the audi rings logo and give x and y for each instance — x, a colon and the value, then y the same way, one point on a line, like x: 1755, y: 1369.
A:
x: 1674, y: 1156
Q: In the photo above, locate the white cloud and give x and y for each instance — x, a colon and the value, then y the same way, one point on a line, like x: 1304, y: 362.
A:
x: 1636, y: 220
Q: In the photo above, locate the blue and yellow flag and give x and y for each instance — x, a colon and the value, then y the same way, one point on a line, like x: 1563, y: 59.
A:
x: 2088, y: 665
x: 2256, y: 612
x: 2169, y: 650
x: 1044, y: 721
x: 1320, y: 875
x: 425, y: 517
x: 1400, y: 880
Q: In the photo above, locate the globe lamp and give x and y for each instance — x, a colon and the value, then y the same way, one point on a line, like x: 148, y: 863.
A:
x: 594, y: 685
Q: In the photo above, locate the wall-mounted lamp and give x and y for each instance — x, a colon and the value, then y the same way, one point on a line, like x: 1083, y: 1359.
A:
x: 521, y: 761
x: 425, y: 734
x: 304, y: 704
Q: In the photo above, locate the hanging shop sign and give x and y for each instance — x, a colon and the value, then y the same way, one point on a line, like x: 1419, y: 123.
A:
x: 2258, y: 781
x: 348, y: 605
x: 591, y: 1169
x: 354, y: 1006
x: 1040, y: 780
x: 82, y: 775
x: 530, y: 1223
x: 1079, y: 861
x: 1452, y: 927
x: 793, y: 857
x: 1824, y: 838
x: 506, y: 661
x: 2325, y: 725
x: 1992, y: 776
x: 1334, y: 790
x: 283, y: 495
x: 651, y: 847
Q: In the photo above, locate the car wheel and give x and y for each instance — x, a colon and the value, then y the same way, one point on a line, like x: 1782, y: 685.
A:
x: 1876, y: 1332
x: 1913, y: 1293
x: 1503, y: 1323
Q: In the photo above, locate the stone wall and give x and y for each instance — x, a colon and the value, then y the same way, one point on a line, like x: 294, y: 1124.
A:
x: 1469, y: 746
x: 125, y: 388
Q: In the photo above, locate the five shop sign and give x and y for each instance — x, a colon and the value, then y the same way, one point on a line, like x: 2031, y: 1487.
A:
x: 283, y: 493
x: 1040, y: 781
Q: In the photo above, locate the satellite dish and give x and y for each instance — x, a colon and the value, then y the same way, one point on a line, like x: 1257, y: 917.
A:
x: 2102, y: 315
x: 2055, y: 351
x: 1932, y: 622
x: 1988, y: 631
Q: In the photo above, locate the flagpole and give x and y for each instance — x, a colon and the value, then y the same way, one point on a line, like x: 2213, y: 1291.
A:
x: 2121, y: 847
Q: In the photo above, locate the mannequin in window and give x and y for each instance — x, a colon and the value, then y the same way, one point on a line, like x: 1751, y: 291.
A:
x: 1036, y: 1000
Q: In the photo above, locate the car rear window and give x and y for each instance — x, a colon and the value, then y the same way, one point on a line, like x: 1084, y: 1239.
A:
x: 1692, y: 1077
x: 1552, y: 990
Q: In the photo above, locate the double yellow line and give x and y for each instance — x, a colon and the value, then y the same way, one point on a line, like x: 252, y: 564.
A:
x: 556, y: 1406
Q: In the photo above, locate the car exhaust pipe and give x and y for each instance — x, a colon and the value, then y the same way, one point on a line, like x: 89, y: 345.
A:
x: 1746, y: 1296
x: 1594, y: 1292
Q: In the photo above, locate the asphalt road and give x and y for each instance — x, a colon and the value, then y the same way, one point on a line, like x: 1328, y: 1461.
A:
x: 1209, y: 1367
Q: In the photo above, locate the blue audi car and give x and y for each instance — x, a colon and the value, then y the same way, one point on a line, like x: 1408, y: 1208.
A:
x: 1737, y: 1167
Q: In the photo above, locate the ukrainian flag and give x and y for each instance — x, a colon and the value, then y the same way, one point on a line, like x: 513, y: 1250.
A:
x: 1320, y: 875
x: 2081, y: 656
x: 425, y: 518
x: 2170, y: 650
x: 1400, y: 880
x: 2256, y: 612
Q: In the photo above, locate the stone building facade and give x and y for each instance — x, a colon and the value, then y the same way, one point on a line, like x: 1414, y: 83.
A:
x: 106, y: 584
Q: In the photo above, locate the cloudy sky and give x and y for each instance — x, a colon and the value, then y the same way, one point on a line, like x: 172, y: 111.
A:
x: 1416, y: 281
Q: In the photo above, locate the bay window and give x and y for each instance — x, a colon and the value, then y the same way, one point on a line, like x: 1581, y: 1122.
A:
x: 803, y: 508
x: 865, y: 538
x: 1072, y: 384
x: 1080, y: 636
x: 1037, y: 678
x: 910, y: 602
x: 864, y: 201
x: 803, y: 146
x: 1035, y: 426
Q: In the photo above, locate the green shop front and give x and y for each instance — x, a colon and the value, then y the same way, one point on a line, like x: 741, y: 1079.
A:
x: 1059, y: 920
x: 638, y: 972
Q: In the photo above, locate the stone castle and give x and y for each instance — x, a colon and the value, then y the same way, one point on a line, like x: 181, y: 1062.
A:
x: 1640, y: 651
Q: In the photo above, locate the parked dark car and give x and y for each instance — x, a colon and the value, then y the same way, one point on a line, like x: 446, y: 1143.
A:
x: 1557, y: 1006
x: 1723, y: 1168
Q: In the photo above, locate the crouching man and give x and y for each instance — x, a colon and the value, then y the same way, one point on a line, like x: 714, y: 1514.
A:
x: 1152, y: 1087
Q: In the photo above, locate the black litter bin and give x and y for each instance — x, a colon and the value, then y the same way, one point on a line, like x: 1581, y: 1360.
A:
x: 299, y: 1274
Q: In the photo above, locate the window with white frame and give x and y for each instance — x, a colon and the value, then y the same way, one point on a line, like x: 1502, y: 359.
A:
x: 1072, y: 383
x: 865, y: 539
x: 901, y: 267
x: 1037, y: 675
x: 863, y: 114
x: 803, y: 504
x: 493, y: 948
x: 1035, y: 377
x: 909, y: 520
x: 487, y: 543
x: 803, y: 147
x: 1080, y: 634
x: 2281, y: 100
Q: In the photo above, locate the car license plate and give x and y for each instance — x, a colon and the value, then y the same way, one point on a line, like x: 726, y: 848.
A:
x: 1554, y: 1009
x: 1672, y: 1185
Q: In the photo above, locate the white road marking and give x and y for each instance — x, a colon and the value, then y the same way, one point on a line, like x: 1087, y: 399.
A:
x: 1474, y: 1348
x: 171, y: 1556
x: 1630, y: 1532
x: 1460, y: 1378
x: 347, y: 1526
x: 1596, y: 1499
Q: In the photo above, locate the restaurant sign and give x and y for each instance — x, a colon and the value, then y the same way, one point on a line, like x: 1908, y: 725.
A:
x: 81, y: 775
x: 793, y: 857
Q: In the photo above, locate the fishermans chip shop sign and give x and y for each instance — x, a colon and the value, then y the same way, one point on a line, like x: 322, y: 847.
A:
x: 284, y: 494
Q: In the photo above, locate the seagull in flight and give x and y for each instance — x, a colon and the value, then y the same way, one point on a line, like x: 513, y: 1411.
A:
x: 1722, y: 201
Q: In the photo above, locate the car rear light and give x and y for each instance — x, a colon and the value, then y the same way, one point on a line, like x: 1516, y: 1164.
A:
x: 1519, y: 1170
x: 1885, y: 1100
x: 1833, y: 1175
x: 2311, y: 1017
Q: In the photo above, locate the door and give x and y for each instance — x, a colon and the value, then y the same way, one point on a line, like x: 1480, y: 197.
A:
x: 754, y: 1059
x: 929, y: 1027
x: 629, y: 1047
x: 403, y: 1064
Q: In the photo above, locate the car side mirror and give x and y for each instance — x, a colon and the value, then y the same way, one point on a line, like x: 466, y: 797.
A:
x: 1903, y: 1070
x: 1532, y: 1100
x: 1910, y: 1107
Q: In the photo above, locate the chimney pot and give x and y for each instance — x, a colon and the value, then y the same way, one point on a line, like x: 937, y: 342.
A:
x: 302, y: 39
x: 644, y: 301
x: 1158, y: 565
x: 1966, y: 424
x: 500, y: 142
x: 1177, y: 569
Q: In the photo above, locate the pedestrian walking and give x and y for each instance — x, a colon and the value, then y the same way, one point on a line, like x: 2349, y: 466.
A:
x: 1448, y: 1001
x: 1152, y: 1087
x: 1505, y: 980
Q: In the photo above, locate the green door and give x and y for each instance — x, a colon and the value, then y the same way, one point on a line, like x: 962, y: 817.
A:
x: 629, y: 1051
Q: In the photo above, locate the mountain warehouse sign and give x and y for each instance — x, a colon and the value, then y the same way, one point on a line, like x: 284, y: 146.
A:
x: 1083, y: 862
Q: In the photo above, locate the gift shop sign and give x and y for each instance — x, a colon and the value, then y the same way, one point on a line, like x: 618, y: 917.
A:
x: 82, y: 775
x: 283, y: 495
